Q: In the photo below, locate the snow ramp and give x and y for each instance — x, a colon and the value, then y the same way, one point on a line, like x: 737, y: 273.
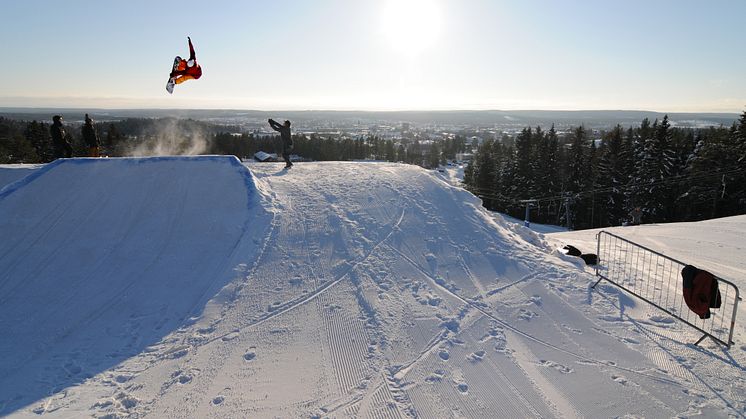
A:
x: 101, y: 258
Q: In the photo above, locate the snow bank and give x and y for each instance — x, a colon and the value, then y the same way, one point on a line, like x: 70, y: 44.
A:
x: 101, y: 258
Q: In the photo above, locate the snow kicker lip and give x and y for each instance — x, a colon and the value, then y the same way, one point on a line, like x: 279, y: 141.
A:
x: 233, y: 160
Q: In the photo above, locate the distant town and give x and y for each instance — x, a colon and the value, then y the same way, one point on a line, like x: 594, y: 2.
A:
x: 394, y: 125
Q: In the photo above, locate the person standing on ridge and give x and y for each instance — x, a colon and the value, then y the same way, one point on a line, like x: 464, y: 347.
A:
x: 636, y: 216
x: 186, y: 69
x: 287, y: 139
x: 90, y: 137
x: 60, y: 144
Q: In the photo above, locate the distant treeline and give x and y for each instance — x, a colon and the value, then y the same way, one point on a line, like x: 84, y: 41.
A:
x: 671, y: 174
x: 321, y: 148
x: 29, y: 142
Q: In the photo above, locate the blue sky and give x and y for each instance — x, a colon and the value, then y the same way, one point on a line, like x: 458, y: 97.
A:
x: 664, y: 55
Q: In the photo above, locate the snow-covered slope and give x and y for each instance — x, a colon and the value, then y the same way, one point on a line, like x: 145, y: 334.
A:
x: 717, y: 245
x: 10, y: 173
x: 349, y: 290
x: 102, y: 258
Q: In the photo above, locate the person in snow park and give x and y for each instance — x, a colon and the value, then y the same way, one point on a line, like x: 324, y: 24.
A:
x: 60, y: 144
x: 90, y: 137
x: 186, y: 69
x: 287, y: 139
x: 636, y: 215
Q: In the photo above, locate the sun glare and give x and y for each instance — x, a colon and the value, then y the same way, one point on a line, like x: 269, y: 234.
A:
x: 412, y: 26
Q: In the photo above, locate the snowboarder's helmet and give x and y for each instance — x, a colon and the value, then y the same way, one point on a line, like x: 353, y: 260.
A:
x: 57, y: 118
x: 287, y: 123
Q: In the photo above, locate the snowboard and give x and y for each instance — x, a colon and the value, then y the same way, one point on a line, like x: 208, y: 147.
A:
x: 171, y: 81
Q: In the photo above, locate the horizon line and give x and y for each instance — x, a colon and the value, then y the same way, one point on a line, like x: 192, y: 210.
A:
x: 75, y: 108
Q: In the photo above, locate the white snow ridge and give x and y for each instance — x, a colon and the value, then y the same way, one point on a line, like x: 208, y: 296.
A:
x: 198, y: 287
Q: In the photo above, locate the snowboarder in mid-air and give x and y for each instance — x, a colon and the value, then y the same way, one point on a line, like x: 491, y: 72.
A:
x: 184, y: 70
x: 287, y: 139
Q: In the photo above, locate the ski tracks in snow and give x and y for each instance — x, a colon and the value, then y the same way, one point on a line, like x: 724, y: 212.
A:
x: 367, y: 300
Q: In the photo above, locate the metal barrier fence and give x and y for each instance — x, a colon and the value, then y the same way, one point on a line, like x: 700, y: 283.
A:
x: 656, y: 279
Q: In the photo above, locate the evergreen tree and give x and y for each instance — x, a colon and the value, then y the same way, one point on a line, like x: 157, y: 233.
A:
x: 577, y: 171
x: 544, y: 168
x: 523, y: 185
x: 469, y: 176
x: 702, y: 197
x: 433, y: 156
x: 505, y: 178
x: 739, y: 192
x: 612, y: 178
x: 591, y: 183
x: 390, y: 151
x: 414, y: 153
x: 401, y: 153
x: 731, y: 174
x: 37, y: 134
x: 485, y: 174
x: 655, y: 170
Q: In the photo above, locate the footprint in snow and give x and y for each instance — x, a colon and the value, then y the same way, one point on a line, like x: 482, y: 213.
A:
x: 619, y: 379
x: 176, y: 352
x: 559, y: 367
x: 572, y: 329
x: 611, y: 319
x: 463, y: 388
x: 123, y: 378
x: 206, y: 330
x: 476, y: 356
x: 527, y: 315
x: 662, y: 320
x: 249, y: 355
x: 435, y: 377
x: 230, y: 336
x: 126, y: 401
x: 631, y: 341
x: 433, y: 300
x: 102, y: 404
x: 444, y: 354
x: 218, y: 400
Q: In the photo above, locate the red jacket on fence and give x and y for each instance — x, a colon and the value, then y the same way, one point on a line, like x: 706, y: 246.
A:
x: 701, y: 292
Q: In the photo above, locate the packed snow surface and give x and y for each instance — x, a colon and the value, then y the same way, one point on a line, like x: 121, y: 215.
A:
x: 193, y: 287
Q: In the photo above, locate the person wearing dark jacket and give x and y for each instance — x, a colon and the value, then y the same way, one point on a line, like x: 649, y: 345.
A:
x: 287, y: 139
x: 90, y: 137
x: 636, y: 216
x: 60, y: 144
